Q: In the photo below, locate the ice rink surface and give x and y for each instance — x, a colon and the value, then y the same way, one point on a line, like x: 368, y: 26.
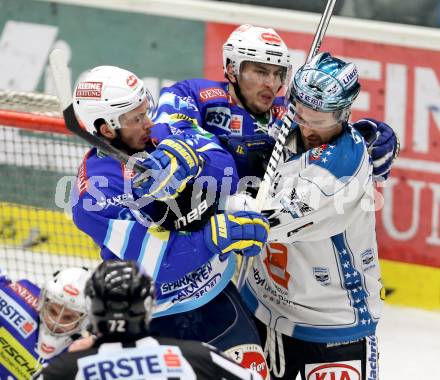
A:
x: 409, y: 344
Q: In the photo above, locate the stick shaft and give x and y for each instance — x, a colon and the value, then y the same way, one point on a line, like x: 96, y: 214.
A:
x: 287, y: 120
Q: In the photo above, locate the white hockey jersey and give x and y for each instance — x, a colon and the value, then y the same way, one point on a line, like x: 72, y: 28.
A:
x: 318, y: 278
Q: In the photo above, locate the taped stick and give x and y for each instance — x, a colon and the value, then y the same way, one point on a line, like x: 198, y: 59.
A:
x: 287, y: 120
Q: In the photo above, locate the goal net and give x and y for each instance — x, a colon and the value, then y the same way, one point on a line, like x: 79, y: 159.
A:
x: 38, y: 163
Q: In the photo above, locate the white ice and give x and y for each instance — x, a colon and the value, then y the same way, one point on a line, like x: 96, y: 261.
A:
x: 409, y: 344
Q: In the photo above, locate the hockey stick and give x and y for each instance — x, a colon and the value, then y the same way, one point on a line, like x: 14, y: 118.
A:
x: 287, y: 120
x: 60, y: 72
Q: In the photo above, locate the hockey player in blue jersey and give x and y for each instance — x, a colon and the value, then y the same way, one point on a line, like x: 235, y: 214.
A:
x: 37, y: 325
x: 191, y: 262
x: 244, y: 110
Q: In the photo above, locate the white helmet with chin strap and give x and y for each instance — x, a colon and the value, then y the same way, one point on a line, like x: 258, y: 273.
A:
x: 107, y: 92
x: 62, y: 309
x: 255, y: 44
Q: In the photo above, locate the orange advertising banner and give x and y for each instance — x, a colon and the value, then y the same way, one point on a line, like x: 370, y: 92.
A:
x: 400, y: 85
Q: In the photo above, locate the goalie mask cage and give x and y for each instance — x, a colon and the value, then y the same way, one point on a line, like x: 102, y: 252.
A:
x: 39, y: 159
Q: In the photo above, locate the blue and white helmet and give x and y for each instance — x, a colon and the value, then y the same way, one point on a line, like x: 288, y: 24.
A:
x: 326, y: 84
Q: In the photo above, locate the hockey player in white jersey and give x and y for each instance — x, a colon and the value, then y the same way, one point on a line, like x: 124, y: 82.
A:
x: 316, y: 289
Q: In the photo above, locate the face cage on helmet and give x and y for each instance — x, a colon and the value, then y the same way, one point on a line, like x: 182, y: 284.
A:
x: 56, y: 323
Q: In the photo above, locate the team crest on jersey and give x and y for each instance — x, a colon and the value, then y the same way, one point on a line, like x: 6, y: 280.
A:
x: 322, y: 275
x: 250, y: 356
x: 348, y: 370
x: 316, y: 153
x: 368, y: 259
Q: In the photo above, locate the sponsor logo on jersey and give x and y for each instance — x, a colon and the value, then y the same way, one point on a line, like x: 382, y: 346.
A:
x: 372, y: 356
x: 348, y: 370
x: 82, y: 181
x: 25, y: 294
x: 276, y: 261
x: 15, y: 358
x: 89, y: 90
x: 218, y: 117
x: 250, y: 356
x: 212, y: 93
x: 271, y: 38
x: 16, y: 316
x: 296, y: 230
x: 117, y: 200
x: 135, y: 363
x: 195, y: 284
x: 236, y: 125
x: 322, y: 275
x: 368, y: 259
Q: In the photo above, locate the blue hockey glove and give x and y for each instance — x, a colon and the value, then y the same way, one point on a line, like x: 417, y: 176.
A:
x: 250, y: 152
x: 243, y: 231
x: 171, y: 166
x: 382, y: 143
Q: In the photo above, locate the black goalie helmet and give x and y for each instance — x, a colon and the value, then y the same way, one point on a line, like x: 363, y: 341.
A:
x: 119, y: 299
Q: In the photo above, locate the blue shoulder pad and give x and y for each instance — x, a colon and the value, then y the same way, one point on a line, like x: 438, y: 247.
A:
x: 342, y: 157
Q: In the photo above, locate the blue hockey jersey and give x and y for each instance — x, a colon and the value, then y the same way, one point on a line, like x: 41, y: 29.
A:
x: 18, y: 329
x: 212, y: 106
x: 187, y: 275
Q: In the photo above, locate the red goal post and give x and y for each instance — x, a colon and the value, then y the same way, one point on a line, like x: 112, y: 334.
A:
x: 38, y: 163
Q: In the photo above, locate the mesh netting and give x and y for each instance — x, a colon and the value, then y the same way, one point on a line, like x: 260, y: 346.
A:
x: 37, y: 170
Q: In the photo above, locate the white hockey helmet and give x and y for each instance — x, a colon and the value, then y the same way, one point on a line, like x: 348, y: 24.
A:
x: 107, y: 92
x: 62, y: 309
x: 256, y: 44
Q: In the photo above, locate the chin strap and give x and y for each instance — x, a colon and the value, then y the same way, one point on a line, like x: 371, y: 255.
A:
x: 270, y: 352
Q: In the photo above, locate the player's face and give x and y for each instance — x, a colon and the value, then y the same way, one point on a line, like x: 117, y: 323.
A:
x: 136, y: 127
x: 59, y: 319
x: 259, y: 84
x: 316, y: 127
